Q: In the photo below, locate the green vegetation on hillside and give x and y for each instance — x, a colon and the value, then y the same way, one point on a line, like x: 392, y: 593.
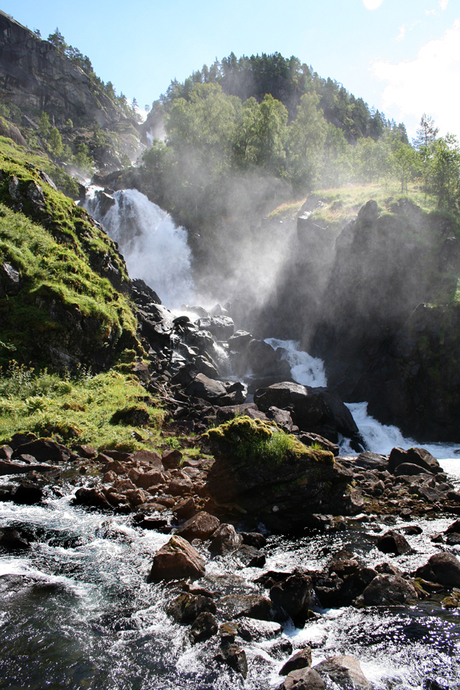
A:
x: 80, y: 409
x: 59, y: 307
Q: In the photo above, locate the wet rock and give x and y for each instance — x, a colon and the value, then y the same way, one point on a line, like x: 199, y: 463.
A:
x: 185, y: 508
x: 388, y: 590
x: 146, y: 480
x: 176, y: 560
x: 250, y: 557
x: 415, y: 456
x: 235, y: 657
x: 200, y: 526
x: 251, y: 630
x: 254, y: 539
x: 277, y: 492
x: 410, y: 469
x: 180, y: 485
x: 315, y: 409
x: 303, y: 679
x: 248, y: 605
x: 301, y: 659
x: 291, y: 598
x: 443, y: 568
x: 371, y: 461
x: 345, y: 671
x: 221, y: 327
x: 393, y: 542
x: 187, y: 607
x: 11, y: 540
x: 204, y: 627
x: 225, y: 540
x: 91, y: 498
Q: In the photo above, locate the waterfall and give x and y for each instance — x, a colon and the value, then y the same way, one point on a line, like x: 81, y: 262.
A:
x: 379, y: 438
x: 154, y: 248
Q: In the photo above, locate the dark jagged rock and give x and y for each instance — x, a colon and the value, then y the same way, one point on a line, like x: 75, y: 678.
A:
x: 443, y: 568
x: 225, y: 540
x: 203, y: 627
x: 291, y: 598
x: 303, y: 679
x: 200, y: 526
x: 345, y: 671
x: 393, y: 542
x: 388, y: 590
x: 187, y: 607
x: 316, y: 410
x: 301, y: 659
x: 413, y: 456
x: 235, y: 657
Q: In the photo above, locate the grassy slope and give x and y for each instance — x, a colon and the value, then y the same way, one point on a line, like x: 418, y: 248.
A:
x: 62, y: 257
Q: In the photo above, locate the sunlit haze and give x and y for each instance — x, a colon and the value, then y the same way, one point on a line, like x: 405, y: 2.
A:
x: 400, y: 57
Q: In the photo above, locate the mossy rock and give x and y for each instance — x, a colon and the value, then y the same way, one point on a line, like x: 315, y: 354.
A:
x: 258, y: 441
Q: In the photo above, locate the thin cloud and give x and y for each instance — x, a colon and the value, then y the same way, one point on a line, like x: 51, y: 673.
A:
x: 374, y: 4
x: 426, y: 84
x: 443, y: 4
x: 402, y: 33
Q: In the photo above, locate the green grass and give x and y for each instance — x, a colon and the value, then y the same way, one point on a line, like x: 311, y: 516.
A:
x: 344, y: 202
x: 75, y: 409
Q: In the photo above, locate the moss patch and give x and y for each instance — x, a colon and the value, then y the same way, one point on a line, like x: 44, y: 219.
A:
x: 261, y: 442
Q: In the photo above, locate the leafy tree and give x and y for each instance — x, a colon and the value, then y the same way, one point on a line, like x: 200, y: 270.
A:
x: 58, y: 41
x: 307, y: 135
x: 445, y: 172
x: 336, y: 168
x: 405, y: 164
x: 44, y: 125
x: 55, y: 142
x: 424, y: 141
x: 205, y: 123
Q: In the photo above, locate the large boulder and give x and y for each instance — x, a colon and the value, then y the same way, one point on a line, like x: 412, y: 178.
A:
x: 316, y: 410
x: 176, y: 560
x: 345, y: 671
x: 443, y: 568
x: 273, y: 477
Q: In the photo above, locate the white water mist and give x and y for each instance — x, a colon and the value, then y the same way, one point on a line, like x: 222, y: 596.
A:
x: 154, y: 248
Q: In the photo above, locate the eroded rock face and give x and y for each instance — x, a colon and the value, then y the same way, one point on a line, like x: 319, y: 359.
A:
x: 36, y: 77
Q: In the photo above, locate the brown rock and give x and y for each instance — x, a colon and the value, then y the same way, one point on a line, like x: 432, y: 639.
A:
x: 345, y: 671
x: 301, y: 659
x: 176, y: 560
x: 393, y: 542
x: 200, y: 526
x: 303, y: 679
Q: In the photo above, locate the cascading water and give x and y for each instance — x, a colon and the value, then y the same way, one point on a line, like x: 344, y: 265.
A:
x: 154, y: 248
x: 76, y: 610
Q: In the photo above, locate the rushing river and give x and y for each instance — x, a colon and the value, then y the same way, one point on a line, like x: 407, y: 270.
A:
x: 76, y: 610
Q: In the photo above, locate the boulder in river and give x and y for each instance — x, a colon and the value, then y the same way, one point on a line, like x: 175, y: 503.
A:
x: 176, y: 560
x: 272, y: 476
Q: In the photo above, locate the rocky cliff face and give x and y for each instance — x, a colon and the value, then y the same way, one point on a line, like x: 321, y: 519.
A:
x: 34, y: 77
x: 389, y: 325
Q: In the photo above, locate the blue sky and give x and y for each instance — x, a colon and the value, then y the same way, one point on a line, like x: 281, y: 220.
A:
x: 400, y: 56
